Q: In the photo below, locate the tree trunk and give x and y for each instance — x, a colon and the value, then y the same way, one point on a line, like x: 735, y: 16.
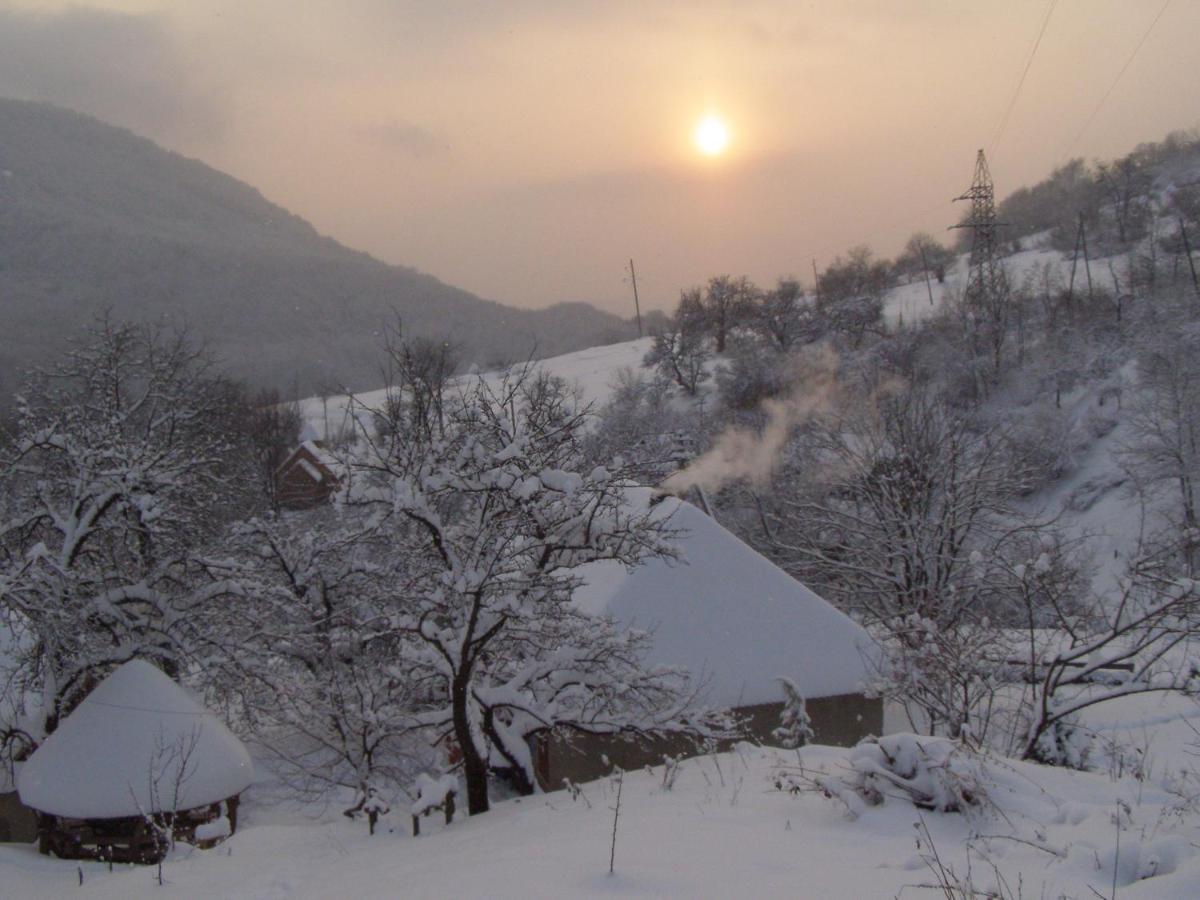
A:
x: 515, y: 773
x: 475, y: 770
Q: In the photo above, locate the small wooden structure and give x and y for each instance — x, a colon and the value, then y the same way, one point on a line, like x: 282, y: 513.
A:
x: 136, y: 766
x: 433, y: 794
x: 135, y: 839
x: 307, y: 478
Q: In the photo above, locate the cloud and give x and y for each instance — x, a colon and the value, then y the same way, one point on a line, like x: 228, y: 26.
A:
x: 120, y: 67
x: 406, y: 138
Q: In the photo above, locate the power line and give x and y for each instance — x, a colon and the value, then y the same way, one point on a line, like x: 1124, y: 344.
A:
x: 1024, y: 72
x: 150, y: 709
x: 1112, y: 87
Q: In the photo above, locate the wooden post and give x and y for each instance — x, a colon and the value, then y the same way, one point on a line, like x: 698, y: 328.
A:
x: 1187, y: 248
x: 636, y: 303
x: 1112, y: 270
x: 1087, y: 266
x: 925, y: 266
x: 1074, y: 261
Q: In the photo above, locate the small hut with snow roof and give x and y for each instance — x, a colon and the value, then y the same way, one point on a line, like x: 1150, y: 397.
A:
x: 139, y: 760
x: 307, y: 478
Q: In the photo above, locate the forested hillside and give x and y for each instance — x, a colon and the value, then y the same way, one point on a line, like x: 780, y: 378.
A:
x: 93, y: 217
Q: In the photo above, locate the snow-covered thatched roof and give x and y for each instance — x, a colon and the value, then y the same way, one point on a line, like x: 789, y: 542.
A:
x: 120, y: 752
x: 726, y: 612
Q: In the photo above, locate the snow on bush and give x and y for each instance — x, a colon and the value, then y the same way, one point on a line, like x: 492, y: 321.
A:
x: 1065, y: 743
x: 432, y: 792
x: 795, y: 726
x: 932, y: 773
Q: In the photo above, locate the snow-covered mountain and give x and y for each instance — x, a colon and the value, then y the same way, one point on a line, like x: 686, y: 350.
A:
x: 94, y: 217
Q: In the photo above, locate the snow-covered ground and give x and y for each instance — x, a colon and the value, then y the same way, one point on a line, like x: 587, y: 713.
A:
x: 723, y: 830
x: 591, y: 371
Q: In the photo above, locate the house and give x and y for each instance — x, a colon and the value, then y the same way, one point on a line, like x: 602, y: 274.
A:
x: 737, y: 621
x: 138, y: 761
x: 307, y: 478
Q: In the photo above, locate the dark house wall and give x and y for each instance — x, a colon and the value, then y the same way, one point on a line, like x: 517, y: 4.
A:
x: 18, y: 823
x: 841, y: 721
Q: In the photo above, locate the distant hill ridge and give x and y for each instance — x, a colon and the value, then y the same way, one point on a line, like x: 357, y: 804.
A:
x: 93, y: 216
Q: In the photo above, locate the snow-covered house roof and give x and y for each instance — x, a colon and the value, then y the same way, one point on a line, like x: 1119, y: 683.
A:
x: 725, y: 611
x: 119, y: 753
x: 310, y: 450
x: 307, y: 477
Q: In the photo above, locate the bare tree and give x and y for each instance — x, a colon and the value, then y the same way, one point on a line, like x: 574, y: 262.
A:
x: 726, y: 302
x: 273, y: 427
x: 1098, y: 651
x: 418, y: 374
x: 331, y: 688
x: 1165, y: 420
x: 924, y: 255
x: 644, y: 425
x: 494, y: 521
x: 911, y: 509
x: 679, y: 352
x: 784, y: 317
x: 120, y: 468
x: 1125, y: 186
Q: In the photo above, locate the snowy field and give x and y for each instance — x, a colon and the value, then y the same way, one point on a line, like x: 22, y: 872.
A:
x: 591, y: 371
x: 723, y: 830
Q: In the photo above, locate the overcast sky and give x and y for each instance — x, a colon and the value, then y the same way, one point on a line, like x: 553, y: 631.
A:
x: 526, y: 150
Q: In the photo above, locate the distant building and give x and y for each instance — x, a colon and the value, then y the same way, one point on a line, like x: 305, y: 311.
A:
x: 138, y: 756
x: 307, y: 478
x: 737, y: 621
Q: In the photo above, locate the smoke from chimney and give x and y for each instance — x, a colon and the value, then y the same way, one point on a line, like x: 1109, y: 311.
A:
x: 742, y: 453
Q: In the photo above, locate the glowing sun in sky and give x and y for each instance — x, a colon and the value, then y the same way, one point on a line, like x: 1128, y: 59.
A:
x: 711, y: 136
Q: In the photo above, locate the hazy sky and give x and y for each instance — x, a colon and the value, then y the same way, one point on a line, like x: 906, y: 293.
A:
x: 526, y: 150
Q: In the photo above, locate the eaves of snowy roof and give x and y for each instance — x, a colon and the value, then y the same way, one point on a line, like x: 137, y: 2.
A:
x: 314, y: 451
x: 732, y: 616
x: 312, y: 471
x: 119, y: 752
x: 320, y: 454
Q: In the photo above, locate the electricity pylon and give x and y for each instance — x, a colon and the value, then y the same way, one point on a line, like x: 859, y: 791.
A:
x: 987, y: 295
x: 987, y: 279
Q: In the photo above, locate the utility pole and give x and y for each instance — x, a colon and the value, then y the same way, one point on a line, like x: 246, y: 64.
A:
x: 1087, y: 265
x: 816, y: 282
x: 1074, y: 260
x: 636, y: 303
x: 925, y: 266
x: 1187, y: 248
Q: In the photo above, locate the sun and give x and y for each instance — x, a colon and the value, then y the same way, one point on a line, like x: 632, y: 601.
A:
x: 711, y: 136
